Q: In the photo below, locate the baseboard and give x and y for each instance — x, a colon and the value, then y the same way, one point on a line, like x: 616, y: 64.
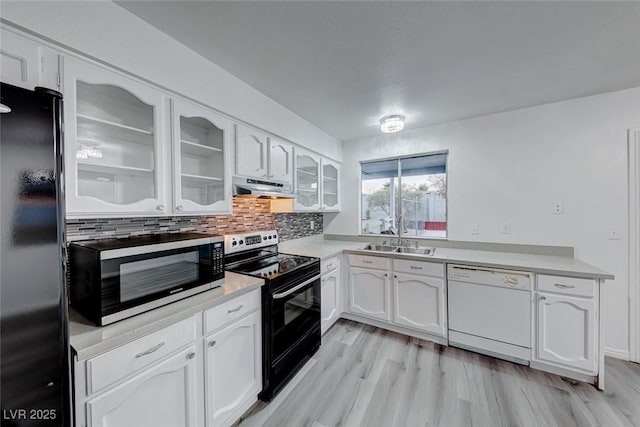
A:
x: 618, y: 354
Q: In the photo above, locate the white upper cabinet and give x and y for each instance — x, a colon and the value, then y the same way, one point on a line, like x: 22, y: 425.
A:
x: 307, y: 180
x: 26, y: 64
x: 113, y: 143
x: 251, y: 152
x: 280, y: 161
x: 330, y: 185
x: 201, y: 176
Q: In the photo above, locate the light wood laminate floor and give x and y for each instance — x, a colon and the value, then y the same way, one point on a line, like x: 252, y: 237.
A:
x: 365, y: 376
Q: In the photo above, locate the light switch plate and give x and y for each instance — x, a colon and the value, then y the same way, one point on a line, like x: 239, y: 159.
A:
x: 506, y: 228
x: 474, y: 229
x: 613, y: 234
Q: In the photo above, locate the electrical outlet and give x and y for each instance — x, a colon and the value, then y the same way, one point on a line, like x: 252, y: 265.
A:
x: 613, y: 234
x: 506, y: 228
x: 557, y: 208
x: 474, y: 229
x: 312, y: 224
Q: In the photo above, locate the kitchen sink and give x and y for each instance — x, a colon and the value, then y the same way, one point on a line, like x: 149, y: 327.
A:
x: 382, y: 248
x: 418, y: 251
x: 400, y: 249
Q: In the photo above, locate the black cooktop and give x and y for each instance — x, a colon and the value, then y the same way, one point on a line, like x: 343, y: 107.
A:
x: 274, y: 266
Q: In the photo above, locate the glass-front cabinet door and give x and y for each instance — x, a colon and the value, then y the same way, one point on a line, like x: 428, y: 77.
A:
x: 201, y: 181
x: 307, y: 168
x: 113, y: 143
x: 330, y: 185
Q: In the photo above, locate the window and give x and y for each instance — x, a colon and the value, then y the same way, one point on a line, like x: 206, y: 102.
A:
x: 405, y: 196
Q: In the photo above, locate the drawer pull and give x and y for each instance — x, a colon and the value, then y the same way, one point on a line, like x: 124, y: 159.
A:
x: 560, y: 285
x: 413, y: 267
x: 212, y: 343
x: 238, y: 308
x: 329, y: 266
x: 191, y: 356
x: 151, y: 350
x: 542, y: 298
x: 367, y: 261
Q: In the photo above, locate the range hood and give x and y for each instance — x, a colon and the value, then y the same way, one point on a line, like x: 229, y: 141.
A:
x: 251, y: 187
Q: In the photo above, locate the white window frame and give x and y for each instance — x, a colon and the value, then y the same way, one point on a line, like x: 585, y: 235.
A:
x: 399, y: 208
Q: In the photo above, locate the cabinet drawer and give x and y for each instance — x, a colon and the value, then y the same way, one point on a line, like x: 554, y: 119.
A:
x: 369, y: 262
x: 418, y: 267
x: 129, y: 358
x: 330, y: 264
x: 567, y: 285
x: 227, y: 312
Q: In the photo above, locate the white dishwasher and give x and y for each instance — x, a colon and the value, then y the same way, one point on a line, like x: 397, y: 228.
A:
x: 490, y: 311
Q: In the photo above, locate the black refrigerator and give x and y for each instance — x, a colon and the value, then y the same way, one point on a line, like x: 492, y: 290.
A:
x: 34, y: 350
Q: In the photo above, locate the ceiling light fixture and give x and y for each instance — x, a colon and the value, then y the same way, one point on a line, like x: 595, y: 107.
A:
x: 4, y: 109
x: 392, y: 124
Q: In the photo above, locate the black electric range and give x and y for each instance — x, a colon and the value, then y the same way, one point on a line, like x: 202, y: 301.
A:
x: 290, y: 304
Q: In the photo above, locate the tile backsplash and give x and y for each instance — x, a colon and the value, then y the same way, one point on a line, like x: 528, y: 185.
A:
x: 248, y: 215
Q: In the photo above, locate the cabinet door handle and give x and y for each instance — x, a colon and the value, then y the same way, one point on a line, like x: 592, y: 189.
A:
x: 329, y: 267
x: 179, y: 208
x: 191, y: 356
x: 151, y: 350
x: 413, y: 267
x: 212, y: 343
x: 560, y: 285
x: 233, y: 310
x: 160, y: 207
x: 386, y: 275
x: 395, y: 276
x: 542, y: 298
x: 367, y: 261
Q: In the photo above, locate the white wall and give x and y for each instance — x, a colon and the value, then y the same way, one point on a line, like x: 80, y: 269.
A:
x: 109, y: 33
x: 510, y: 167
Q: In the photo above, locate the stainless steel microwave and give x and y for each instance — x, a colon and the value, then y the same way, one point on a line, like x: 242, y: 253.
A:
x: 112, y: 279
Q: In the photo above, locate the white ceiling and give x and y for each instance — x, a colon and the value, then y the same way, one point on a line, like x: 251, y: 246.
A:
x: 344, y: 64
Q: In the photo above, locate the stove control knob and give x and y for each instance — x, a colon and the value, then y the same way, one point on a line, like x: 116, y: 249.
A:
x: 264, y: 237
x: 234, y: 243
x: 269, y: 237
x: 275, y: 236
x: 241, y: 241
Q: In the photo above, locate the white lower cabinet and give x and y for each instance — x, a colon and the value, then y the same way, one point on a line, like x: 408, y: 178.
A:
x: 203, y: 370
x: 369, y: 293
x: 419, y: 302
x: 164, y: 395
x: 330, y: 299
x: 566, y: 332
x: 233, y: 372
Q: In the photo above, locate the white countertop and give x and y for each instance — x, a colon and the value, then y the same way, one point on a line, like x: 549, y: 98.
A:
x: 542, y: 264
x: 317, y: 247
x: 88, y: 340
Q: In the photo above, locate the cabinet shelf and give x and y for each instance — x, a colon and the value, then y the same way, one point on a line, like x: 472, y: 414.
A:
x: 200, y: 178
x: 329, y: 178
x: 114, y: 169
x: 307, y: 190
x: 304, y: 172
x: 198, y: 149
x: 114, y: 124
x: 329, y: 193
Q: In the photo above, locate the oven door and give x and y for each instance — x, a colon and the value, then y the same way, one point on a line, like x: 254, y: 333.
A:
x: 132, y: 280
x: 295, y: 313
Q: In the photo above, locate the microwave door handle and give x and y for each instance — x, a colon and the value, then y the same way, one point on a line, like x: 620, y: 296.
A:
x: 292, y: 290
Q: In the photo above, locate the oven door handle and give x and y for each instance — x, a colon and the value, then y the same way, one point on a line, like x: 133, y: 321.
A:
x: 292, y: 290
